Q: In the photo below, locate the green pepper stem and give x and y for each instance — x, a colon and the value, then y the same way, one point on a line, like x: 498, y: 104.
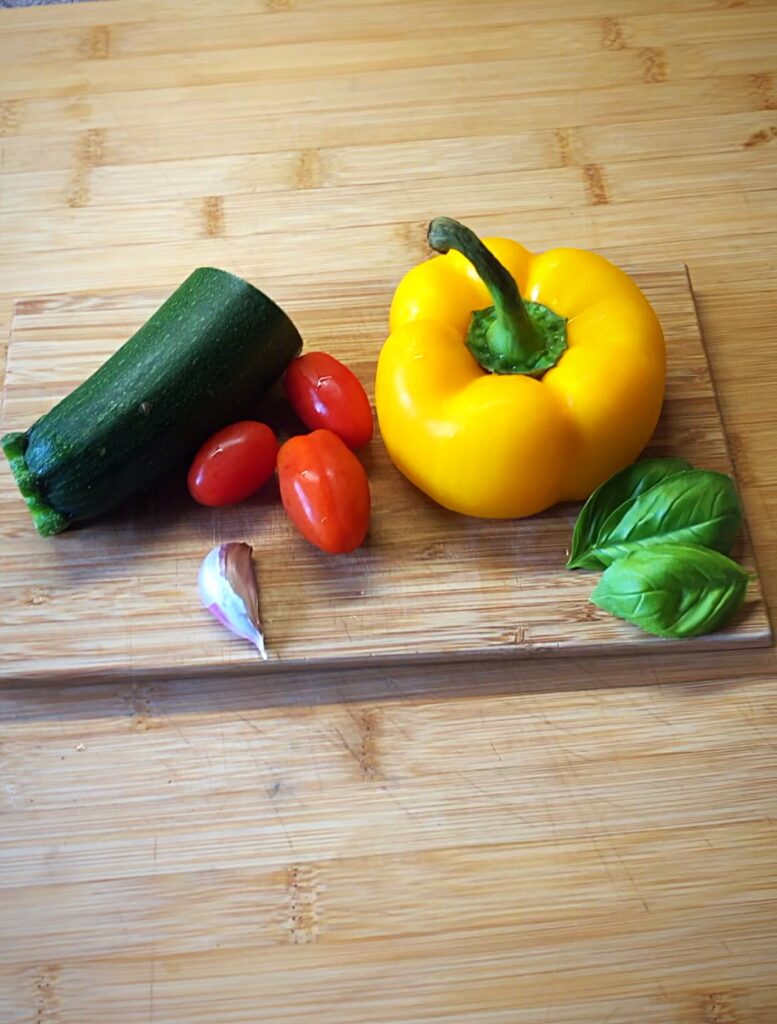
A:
x: 513, y: 337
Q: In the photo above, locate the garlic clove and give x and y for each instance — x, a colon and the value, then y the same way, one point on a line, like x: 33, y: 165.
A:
x: 228, y: 589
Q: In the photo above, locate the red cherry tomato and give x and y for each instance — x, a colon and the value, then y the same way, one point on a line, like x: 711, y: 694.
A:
x: 233, y: 463
x: 326, y: 395
x: 324, y: 490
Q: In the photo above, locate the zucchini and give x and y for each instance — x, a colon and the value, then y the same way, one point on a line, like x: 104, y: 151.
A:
x: 200, y: 362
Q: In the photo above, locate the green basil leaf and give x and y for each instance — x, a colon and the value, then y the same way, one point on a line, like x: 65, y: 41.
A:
x: 675, y: 590
x: 696, y: 506
x: 613, y: 494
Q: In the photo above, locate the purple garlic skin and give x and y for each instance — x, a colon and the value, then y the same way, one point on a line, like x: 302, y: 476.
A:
x: 229, y: 591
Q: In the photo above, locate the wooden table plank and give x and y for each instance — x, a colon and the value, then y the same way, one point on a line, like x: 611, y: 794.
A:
x: 573, y: 842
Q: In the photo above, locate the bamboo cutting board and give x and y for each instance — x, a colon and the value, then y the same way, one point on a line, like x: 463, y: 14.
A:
x: 119, y: 597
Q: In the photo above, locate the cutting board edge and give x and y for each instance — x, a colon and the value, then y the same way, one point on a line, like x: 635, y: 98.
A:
x: 505, y: 655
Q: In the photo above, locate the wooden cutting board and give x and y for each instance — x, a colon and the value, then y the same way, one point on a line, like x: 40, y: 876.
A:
x: 120, y: 596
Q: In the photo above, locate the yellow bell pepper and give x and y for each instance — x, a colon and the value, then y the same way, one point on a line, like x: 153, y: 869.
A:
x: 504, y: 411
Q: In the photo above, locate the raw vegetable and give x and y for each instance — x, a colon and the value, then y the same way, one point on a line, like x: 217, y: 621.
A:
x: 229, y: 591
x: 673, y: 590
x: 661, y: 500
x: 324, y: 490
x: 204, y: 357
x: 460, y: 407
x: 233, y: 463
x: 326, y: 394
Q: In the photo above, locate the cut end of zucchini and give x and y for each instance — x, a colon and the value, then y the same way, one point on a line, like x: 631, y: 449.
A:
x: 47, y: 520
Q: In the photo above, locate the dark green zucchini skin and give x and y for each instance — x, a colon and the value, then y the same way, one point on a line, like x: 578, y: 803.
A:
x: 203, y: 359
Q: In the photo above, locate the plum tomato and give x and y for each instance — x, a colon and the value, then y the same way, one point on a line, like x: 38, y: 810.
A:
x: 325, y: 491
x: 233, y: 464
x: 327, y: 395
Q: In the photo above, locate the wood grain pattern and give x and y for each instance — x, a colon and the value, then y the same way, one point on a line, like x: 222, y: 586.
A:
x: 550, y: 841
x: 427, y: 584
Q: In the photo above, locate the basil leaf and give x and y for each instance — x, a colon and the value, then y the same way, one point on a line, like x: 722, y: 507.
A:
x: 675, y: 590
x: 696, y: 506
x: 614, y: 493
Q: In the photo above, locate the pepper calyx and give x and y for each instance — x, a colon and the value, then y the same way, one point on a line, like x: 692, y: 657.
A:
x: 513, y: 335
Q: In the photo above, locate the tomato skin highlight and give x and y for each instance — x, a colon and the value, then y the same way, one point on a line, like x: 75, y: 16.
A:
x: 233, y: 464
x: 327, y: 395
x: 325, y: 491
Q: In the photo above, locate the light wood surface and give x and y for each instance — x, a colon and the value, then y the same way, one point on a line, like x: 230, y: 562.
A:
x: 427, y: 584
x: 555, y: 841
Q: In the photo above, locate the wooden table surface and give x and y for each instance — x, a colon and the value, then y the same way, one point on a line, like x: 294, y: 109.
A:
x: 542, y: 842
